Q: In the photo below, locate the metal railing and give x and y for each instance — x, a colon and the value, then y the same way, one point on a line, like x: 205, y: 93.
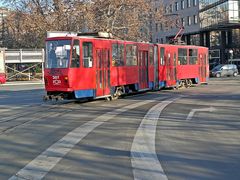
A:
x: 24, y: 56
x: 29, y: 58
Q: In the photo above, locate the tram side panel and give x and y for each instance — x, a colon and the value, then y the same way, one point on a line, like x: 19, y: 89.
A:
x: 188, y: 64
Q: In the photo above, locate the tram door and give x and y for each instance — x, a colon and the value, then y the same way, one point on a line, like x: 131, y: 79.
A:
x: 171, y: 68
x: 143, y: 69
x: 202, y: 67
x: 103, y: 72
x: 162, y: 76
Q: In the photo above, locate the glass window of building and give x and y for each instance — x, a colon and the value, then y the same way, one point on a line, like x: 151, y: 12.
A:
x: 236, y: 37
x: 182, y: 4
x: 188, y: 3
x: 215, y: 15
x: 195, y: 39
x: 183, y: 21
x: 227, y: 34
x: 170, y: 8
x: 215, y: 38
x: 176, y: 6
x: 195, y: 19
x: 205, y: 3
x: 161, y: 27
x: 165, y: 9
x: 166, y: 26
x: 214, y: 58
x: 205, y: 39
x: 233, y: 10
x: 177, y: 23
x: 189, y: 20
x: 194, y: 2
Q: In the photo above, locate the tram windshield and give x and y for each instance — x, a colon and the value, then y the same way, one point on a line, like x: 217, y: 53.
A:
x: 58, y: 54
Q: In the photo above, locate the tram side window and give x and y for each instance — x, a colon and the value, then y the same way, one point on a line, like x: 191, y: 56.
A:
x: 131, y: 55
x: 162, y: 52
x: 75, y: 54
x: 193, y: 56
x: 182, y: 56
x: 117, y: 54
x: 87, y: 55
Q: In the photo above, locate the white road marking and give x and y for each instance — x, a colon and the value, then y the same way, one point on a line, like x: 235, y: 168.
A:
x: 193, y: 111
x: 4, y: 110
x: 42, y: 164
x: 143, y: 155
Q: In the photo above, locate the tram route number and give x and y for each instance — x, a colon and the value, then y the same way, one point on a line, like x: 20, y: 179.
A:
x: 56, y: 80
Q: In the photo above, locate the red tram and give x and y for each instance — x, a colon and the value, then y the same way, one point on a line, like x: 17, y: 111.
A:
x: 92, y: 67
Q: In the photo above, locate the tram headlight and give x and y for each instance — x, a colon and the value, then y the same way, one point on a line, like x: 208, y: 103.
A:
x: 66, y: 79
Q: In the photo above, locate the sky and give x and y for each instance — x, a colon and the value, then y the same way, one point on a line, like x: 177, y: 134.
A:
x: 1, y: 3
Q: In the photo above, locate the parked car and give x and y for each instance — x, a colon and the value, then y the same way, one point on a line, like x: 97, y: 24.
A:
x: 224, y: 70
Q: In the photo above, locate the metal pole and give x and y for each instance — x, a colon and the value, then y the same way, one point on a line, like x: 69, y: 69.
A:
x: 20, y: 54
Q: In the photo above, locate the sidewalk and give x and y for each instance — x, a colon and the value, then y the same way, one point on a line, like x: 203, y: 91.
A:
x: 16, y: 83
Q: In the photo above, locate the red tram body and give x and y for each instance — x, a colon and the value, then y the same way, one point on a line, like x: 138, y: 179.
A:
x: 88, y: 67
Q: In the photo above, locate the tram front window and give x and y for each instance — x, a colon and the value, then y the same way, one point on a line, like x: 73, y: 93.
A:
x: 58, y: 54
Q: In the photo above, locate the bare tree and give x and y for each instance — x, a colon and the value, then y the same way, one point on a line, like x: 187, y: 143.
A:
x: 125, y: 18
x: 31, y: 19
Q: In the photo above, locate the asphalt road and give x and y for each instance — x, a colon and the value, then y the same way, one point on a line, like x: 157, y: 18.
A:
x: 189, y: 133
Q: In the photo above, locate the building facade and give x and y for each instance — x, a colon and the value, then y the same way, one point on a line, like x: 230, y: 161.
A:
x: 220, y: 29
x: 178, y: 13
x: 211, y: 23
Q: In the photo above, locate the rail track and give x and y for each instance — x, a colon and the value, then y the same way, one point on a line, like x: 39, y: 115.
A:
x: 9, y: 121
